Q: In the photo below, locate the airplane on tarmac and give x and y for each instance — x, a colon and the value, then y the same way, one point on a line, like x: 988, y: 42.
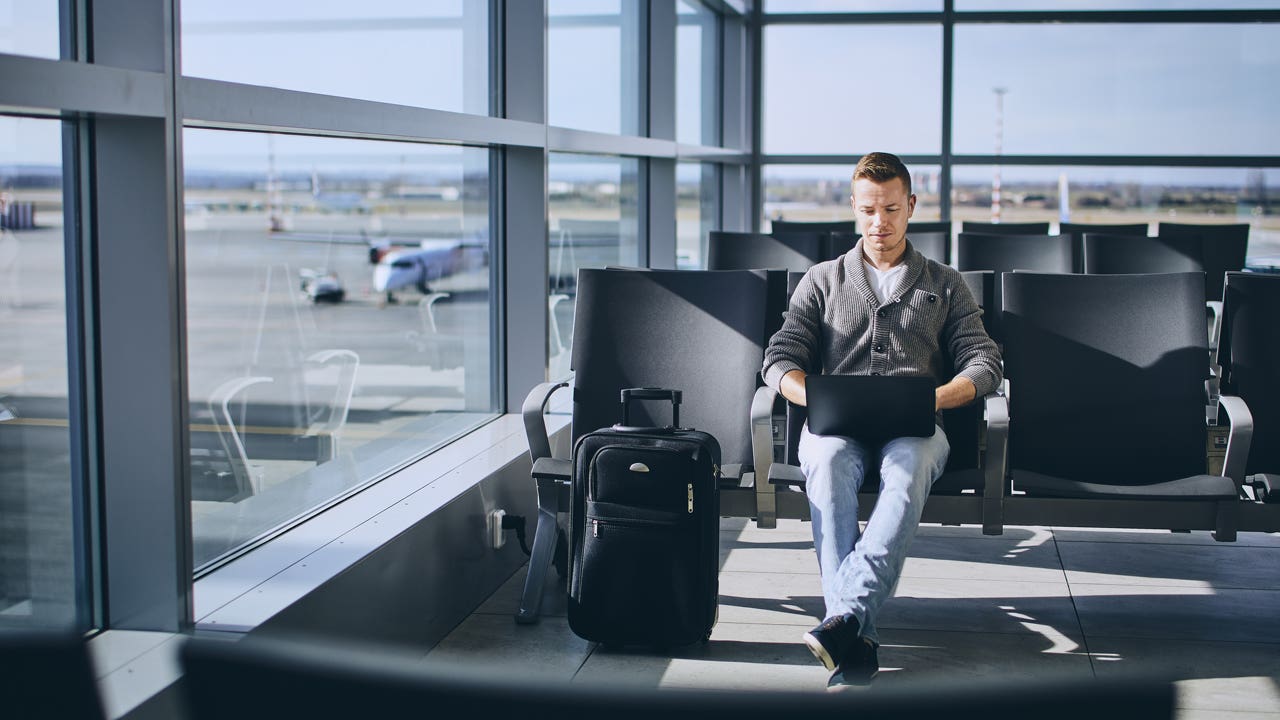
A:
x: 399, y: 267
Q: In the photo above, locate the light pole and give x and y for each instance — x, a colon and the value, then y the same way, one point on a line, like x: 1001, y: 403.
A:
x: 995, y: 180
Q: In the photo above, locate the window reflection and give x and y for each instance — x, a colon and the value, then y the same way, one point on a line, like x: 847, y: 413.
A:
x: 37, y: 544
x: 30, y: 27
x: 820, y: 193
x: 338, y: 318
x: 592, y: 223
x: 593, y: 58
x: 433, y: 54
x: 697, y: 212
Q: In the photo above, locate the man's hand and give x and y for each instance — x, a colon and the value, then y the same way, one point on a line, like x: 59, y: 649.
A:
x: 792, y: 387
x: 960, y: 391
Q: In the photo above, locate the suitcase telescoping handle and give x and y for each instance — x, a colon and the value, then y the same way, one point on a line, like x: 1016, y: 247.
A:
x: 650, y: 393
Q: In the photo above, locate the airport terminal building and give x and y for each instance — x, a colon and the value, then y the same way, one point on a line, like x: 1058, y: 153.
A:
x: 277, y: 281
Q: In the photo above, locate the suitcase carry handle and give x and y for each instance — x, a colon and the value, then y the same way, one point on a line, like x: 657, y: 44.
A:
x: 649, y: 393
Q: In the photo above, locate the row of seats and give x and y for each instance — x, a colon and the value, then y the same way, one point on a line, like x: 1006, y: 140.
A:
x: 50, y: 675
x: 1079, y: 247
x: 1103, y: 425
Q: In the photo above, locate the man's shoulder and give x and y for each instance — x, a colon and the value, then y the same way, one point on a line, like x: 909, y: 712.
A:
x: 826, y: 274
x: 942, y: 274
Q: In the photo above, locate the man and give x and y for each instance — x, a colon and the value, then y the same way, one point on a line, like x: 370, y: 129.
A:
x: 880, y: 309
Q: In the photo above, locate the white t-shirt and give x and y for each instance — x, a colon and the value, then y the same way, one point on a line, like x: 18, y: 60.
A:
x: 883, y: 281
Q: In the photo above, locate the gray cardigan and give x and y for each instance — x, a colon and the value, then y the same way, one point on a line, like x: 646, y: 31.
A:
x: 930, y: 325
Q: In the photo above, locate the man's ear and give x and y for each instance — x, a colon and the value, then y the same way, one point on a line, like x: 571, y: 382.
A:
x: 911, y: 204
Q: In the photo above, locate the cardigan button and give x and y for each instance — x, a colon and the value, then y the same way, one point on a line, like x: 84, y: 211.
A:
x: 878, y: 347
x: 882, y: 313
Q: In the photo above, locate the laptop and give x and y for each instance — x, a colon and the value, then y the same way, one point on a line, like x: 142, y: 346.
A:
x: 871, y: 408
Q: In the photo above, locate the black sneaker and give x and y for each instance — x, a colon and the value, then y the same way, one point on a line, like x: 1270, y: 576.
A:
x: 829, y: 640
x: 858, y: 668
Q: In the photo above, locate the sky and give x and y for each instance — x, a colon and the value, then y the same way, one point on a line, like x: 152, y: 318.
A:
x: 1071, y: 89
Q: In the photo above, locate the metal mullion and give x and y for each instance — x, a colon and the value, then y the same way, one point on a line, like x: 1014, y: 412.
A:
x: 948, y: 96
x: 1258, y: 161
x: 221, y: 104
x: 56, y: 86
x: 721, y: 7
x: 595, y: 143
x: 711, y: 153
x: 842, y: 159
x: 755, y: 70
x: 1119, y: 16
x: 82, y: 374
x: 1025, y: 16
x: 870, y: 18
x: 82, y: 380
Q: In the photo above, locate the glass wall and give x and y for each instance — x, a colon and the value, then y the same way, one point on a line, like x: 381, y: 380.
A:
x: 1133, y: 89
x: 38, y: 553
x: 697, y: 73
x: 697, y: 212
x: 1115, y: 5
x: 593, y: 65
x: 1126, y: 195
x: 813, y: 193
x: 819, y: 97
x: 338, y: 315
x: 29, y: 27
x: 592, y: 223
x: 433, y: 54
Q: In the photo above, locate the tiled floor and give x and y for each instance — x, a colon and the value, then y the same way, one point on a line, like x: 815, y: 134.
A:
x: 1033, y: 603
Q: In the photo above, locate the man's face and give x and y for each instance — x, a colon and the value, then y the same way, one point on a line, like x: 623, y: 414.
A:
x: 882, y: 210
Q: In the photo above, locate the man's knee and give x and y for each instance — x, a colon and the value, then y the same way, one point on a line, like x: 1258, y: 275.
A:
x: 916, y: 461
x: 830, y: 459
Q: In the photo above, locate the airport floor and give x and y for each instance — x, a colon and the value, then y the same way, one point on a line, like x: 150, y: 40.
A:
x: 1033, y: 603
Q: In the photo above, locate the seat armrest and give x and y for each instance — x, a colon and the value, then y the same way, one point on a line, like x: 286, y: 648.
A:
x: 535, y: 427
x: 550, y: 468
x: 995, y: 464
x: 762, y: 430
x: 1215, y: 331
x: 784, y: 474
x: 762, y: 456
x: 1212, y: 389
x: 1239, y: 437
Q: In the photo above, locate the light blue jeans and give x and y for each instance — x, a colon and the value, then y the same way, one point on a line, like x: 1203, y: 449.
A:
x: 860, y: 570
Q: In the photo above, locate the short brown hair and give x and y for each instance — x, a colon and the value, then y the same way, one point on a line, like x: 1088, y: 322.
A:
x: 882, y: 167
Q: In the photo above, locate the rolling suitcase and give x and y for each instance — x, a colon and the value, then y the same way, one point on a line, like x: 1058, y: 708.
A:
x: 644, y: 531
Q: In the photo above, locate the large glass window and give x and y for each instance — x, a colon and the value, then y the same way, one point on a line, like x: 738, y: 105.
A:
x: 593, y: 65
x: 697, y: 212
x: 338, y: 318
x: 29, y: 27
x: 432, y: 54
x: 1126, y: 195
x: 1133, y: 89
x: 852, y: 89
x: 820, y: 193
x: 592, y: 223
x: 996, y: 5
x: 697, y: 70
x: 37, y: 538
